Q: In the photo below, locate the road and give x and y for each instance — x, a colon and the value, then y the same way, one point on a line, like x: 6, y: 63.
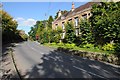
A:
x: 37, y: 61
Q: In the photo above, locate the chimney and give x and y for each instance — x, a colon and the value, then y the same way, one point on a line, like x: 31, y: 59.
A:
x: 59, y: 13
x: 73, y: 7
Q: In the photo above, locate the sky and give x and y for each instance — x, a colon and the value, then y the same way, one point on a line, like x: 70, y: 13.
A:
x: 27, y: 13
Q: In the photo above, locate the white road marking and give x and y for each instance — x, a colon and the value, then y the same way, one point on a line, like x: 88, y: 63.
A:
x: 35, y: 49
x: 88, y: 72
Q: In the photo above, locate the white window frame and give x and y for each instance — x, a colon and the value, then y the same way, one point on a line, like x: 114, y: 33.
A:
x: 63, y: 25
x: 56, y: 25
x: 76, y: 21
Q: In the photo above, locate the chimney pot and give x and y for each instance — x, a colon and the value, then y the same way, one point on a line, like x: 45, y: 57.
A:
x: 73, y: 6
x: 59, y: 13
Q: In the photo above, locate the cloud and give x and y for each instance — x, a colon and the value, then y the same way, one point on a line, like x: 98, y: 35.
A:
x: 19, y: 19
x: 25, y: 22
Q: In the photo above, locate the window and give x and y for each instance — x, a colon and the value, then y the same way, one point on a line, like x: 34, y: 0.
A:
x: 63, y: 25
x: 56, y: 25
x: 63, y: 35
x: 84, y: 16
x: 76, y: 21
x: 70, y: 20
x: 89, y: 14
x: 77, y: 32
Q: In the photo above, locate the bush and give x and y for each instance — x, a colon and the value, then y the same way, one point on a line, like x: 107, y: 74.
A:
x: 70, y: 45
x: 24, y: 37
x: 60, y: 44
x: 117, y: 47
x: 53, y: 43
x: 108, y: 47
x: 88, y: 46
x: 96, y: 48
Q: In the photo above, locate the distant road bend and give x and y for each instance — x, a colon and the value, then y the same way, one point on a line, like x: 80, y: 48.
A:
x: 37, y: 61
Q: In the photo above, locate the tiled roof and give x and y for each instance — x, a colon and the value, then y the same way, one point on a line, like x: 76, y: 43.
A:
x: 80, y: 8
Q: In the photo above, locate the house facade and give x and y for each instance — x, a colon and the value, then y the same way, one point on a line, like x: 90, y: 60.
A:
x: 74, y: 15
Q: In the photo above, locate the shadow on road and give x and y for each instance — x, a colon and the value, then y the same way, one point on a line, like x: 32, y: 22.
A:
x: 6, y: 69
x: 60, y: 65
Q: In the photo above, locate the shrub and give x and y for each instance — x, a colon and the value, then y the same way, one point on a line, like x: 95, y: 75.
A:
x: 60, y: 44
x: 53, y: 43
x: 117, y: 48
x: 70, y: 33
x: 88, y: 46
x: 96, y: 48
x: 70, y: 45
x: 108, y: 47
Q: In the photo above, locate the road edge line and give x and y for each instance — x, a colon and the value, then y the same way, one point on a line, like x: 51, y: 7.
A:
x: 13, y: 60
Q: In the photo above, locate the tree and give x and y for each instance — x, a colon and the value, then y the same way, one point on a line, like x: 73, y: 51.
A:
x: 9, y: 27
x: 57, y: 35
x: 32, y: 33
x: 70, y: 33
x: 86, y: 34
x: 50, y: 20
x: 7, y: 22
x: 105, y: 22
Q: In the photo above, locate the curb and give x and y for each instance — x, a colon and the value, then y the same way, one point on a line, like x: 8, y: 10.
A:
x: 13, y: 60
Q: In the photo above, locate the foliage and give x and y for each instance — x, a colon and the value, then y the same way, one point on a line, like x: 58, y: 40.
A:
x: 96, y: 33
x: 44, y: 30
x: 108, y: 47
x: 88, y: 46
x: 7, y: 22
x: 105, y: 22
x: 61, y: 44
x: 53, y: 43
x: 50, y: 20
x: 9, y: 28
x: 32, y: 33
x: 117, y: 48
x: 70, y: 45
x: 24, y: 37
x: 70, y: 33
x: 86, y: 35
x: 44, y: 36
x: 58, y: 34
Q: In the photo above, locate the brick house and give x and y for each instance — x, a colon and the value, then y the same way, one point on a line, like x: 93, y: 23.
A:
x: 74, y: 15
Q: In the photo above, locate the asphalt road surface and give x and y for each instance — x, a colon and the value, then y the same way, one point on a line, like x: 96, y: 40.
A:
x: 37, y: 61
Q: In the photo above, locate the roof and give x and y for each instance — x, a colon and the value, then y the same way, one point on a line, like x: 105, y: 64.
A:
x: 80, y: 8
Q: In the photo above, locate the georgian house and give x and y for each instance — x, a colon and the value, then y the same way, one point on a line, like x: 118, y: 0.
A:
x: 74, y: 15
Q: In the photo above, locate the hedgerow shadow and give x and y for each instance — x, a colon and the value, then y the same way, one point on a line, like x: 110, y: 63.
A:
x: 57, y: 64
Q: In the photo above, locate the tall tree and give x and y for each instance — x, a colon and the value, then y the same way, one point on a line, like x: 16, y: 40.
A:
x: 32, y: 33
x: 105, y: 22
x: 86, y: 34
x: 50, y: 20
x: 70, y: 33
x: 9, y: 27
